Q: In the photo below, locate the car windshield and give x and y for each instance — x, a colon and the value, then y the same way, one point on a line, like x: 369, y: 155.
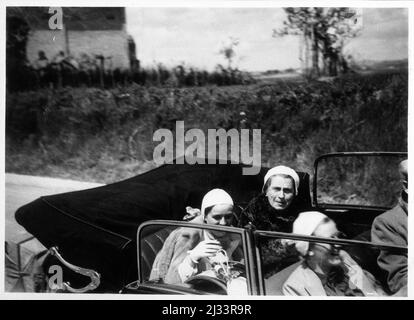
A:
x: 294, y: 265
x: 358, y: 180
x: 198, y: 258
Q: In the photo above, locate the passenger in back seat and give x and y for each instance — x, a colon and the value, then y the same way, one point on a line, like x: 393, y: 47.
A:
x: 391, y: 228
x: 272, y: 210
x: 188, y: 251
x: 326, y: 270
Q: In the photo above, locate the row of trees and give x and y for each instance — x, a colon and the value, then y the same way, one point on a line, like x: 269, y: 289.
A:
x: 324, y: 33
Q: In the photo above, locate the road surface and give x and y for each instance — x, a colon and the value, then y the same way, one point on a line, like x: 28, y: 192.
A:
x: 21, y: 189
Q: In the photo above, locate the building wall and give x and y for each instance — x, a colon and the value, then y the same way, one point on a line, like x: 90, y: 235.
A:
x: 51, y: 42
x: 113, y: 43
x: 109, y: 43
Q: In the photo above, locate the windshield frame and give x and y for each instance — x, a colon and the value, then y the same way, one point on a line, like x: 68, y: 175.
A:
x: 347, y: 154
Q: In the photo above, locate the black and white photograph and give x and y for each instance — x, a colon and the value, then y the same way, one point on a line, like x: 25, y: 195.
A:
x: 237, y: 149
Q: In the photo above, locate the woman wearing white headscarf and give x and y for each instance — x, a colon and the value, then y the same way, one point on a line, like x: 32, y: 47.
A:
x: 274, y: 209
x: 188, y: 251
x: 326, y: 270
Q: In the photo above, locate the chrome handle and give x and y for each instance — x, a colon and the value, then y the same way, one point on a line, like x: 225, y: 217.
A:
x: 95, y: 276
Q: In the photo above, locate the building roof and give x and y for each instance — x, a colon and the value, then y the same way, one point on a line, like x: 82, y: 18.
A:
x: 74, y: 18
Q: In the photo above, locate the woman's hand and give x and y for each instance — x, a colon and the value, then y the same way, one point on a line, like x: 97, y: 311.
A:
x: 204, y: 249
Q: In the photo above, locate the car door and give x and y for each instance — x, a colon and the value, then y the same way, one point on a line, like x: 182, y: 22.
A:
x: 284, y: 270
x: 162, y: 246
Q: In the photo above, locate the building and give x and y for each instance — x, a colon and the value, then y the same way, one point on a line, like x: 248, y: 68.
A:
x: 98, y: 32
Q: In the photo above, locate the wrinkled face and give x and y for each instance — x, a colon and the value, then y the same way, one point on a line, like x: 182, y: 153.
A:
x: 220, y: 214
x: 323, y: 254
x: 281, y: 192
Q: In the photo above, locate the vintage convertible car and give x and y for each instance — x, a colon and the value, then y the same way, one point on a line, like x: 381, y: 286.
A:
x: 106, y: 238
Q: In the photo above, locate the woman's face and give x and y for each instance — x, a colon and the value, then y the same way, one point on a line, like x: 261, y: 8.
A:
x: 280, y: 192
x: 324, y: 254
x: 220, y: 214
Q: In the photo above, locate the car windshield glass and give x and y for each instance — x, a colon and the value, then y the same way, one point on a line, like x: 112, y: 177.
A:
x: 359, y: 180
x: 202, y: 259
x: 305, y: 267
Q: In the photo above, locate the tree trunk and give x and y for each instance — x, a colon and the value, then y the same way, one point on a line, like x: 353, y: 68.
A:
x: 101, y: 73
x: 307, y: 55
x: 304, y: 52
x: 315, y: 54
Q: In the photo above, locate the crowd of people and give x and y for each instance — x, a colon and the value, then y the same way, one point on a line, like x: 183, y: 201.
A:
x: 322, y: 269
x: 63, y: 69
x: 99, y: 71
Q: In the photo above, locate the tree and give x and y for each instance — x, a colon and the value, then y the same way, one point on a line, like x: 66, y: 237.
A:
x: 229, y: 51
x: 324, y: 33
x: 17, y: 32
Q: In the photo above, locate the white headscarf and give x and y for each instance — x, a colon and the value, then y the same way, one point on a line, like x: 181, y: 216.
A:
x: 213, y: 197
x: 306, y: 224
x: 283, y: 170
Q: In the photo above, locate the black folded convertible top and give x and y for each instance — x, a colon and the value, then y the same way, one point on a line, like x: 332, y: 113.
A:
x: 96, y: 228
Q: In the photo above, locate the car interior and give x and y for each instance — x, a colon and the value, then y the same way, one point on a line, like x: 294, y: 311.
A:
x: 348, y: 221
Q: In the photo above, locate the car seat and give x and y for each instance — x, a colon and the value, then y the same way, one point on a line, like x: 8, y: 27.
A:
x: 274, y: 284
x: 366, y: 257
x: 151, y: 244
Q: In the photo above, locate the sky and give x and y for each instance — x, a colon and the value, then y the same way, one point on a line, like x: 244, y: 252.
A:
x: 194, y: 36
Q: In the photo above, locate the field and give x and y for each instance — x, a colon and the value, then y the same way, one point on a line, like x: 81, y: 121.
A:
x: 106, y: 135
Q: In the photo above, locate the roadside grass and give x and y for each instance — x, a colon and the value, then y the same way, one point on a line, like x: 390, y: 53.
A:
x: 98, y: 135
